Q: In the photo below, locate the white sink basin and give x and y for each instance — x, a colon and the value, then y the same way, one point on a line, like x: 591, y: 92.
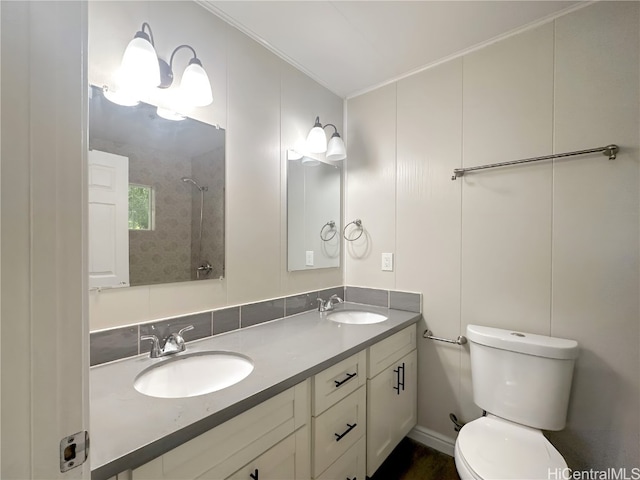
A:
x: 356, y: 317
x: 193, y: 375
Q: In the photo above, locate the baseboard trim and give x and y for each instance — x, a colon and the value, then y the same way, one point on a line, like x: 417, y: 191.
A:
x: 432, y: 439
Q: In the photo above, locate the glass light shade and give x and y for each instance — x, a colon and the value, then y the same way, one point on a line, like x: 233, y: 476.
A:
x: 139, y: 69
x: 121, y: 97
x: 293, y: 155
x: 168, y: 114
x: 195, y: 88
x: 310, y: 162
x: 336, y: 149
x: 317, y: 140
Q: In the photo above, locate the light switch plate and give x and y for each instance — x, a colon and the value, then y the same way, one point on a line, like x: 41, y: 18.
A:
x: 387, y: 262
x: 309, y: 261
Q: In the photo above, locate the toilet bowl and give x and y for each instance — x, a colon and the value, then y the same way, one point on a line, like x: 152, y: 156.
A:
x: 522, y: 381
x: 491, y: 448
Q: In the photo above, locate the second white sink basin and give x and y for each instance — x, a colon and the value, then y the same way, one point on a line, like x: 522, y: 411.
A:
x: 193, y: 375
x: 356, y: 317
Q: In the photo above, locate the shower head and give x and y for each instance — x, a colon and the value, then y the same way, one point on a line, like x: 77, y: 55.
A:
x: 194, y: 183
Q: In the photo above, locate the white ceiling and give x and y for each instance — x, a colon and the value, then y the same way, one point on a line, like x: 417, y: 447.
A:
x: 353, y: 46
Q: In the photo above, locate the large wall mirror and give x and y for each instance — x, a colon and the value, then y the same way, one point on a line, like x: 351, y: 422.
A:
x: 314, y: 231
x: 156, y: 196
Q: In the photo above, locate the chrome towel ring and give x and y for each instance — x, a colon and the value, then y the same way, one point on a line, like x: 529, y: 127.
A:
x: 332, y: 227
x: 358, y: 224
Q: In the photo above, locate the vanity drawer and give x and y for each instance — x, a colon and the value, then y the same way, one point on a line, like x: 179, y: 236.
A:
x: 391, y: 349
x: 338, y: 429
x: 336, y: 382
x: 288, y: 459
x: 351, y: 465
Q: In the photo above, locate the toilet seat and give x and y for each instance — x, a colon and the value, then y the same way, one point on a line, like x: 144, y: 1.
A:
x: 493, y: 448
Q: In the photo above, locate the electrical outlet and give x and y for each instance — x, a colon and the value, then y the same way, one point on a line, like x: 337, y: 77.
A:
x: 309, y: 261
x: 387, y: 262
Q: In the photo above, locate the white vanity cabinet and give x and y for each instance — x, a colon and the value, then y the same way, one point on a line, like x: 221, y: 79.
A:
x: 271, y: 439
x: 340, y: 424
x: 391, y: 394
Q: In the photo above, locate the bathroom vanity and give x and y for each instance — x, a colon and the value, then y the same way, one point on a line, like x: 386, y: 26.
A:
x: 325, y: 400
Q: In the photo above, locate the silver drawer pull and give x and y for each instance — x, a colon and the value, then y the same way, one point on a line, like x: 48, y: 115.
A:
x: 342, y: 382
x: 341, y: 436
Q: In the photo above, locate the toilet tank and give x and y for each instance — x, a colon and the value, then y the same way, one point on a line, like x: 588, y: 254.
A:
x: 522, y: 377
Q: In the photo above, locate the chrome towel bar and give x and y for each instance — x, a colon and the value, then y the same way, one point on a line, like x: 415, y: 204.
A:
x: 461, y: 340
x: 608, y: 151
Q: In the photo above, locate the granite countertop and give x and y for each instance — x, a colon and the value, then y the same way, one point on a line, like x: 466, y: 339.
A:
x: 128, y: 429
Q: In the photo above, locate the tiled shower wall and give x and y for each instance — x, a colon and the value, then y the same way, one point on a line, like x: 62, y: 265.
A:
x: 117, y: 343
x: 209, y: 168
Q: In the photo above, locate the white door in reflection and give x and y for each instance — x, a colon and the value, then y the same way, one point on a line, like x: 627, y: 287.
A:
x: 108, y: 220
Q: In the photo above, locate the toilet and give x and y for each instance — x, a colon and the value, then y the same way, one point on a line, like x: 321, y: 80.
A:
x: 523, y: 382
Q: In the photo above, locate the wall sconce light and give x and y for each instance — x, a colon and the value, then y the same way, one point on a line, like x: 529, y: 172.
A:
x: 142, y: 70
x: 317, y: 142
x: 139, y: 69
x: 195, y: 89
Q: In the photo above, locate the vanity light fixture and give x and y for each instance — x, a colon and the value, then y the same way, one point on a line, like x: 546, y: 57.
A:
x: 317, y: 142
x: 141, y: 70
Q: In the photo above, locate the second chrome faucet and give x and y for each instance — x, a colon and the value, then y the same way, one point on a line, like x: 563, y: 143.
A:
x: 174, y: 343
x: 329, y: 304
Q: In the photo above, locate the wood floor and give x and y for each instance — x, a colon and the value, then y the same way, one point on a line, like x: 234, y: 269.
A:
x: 413, y: 461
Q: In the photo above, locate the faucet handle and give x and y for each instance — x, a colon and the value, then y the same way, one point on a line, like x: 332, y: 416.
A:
x: 155, y: 348
x: 185, y: 329
x: 336, y: 298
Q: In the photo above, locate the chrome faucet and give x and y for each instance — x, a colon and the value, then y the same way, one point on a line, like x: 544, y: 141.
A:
x: 174, y: 343
x: 329, y: 304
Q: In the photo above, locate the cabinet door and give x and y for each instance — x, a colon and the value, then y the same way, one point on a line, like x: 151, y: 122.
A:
x: 391, y: 409
x: 287, y: 460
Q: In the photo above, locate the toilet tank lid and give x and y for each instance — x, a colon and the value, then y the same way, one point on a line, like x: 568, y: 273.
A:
x: 521, y: 342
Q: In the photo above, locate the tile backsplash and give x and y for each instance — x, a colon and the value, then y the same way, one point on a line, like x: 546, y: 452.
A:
x: 118, y: 343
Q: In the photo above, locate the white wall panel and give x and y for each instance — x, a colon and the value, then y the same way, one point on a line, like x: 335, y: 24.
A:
x: 550, y: 248
x: 45, y: 358
x: 118, y: 307
x: 371, y: 193
x: 595, y: 230
x: 506, y: 213
x: 253, y: 172
x: 429, y: 127
x: 177, y: 298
